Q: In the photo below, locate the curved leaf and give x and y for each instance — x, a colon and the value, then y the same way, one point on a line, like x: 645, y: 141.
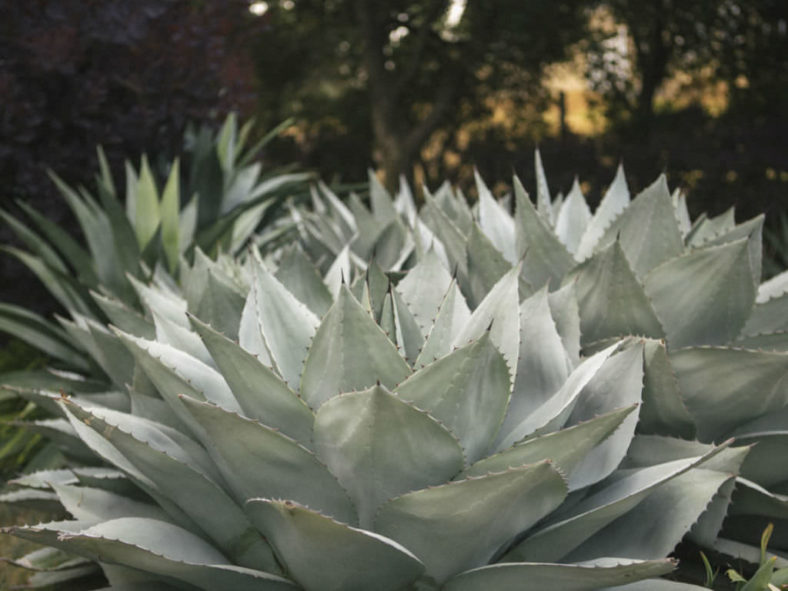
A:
x: 324, y: 555
x: 260, y: 462
x: 468, y: 391
x: 463, y: 524
x: 349, y: 352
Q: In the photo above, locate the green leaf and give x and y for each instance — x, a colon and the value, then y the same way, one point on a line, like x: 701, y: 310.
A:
x: 546, y: 258
x: 38, y: 332
x: 768, y: 317
x: 617, y: 384
x: 566, y: 315
x: 747, y: 384
x: 147, y: 216
x: 542, y: 365
x: 94, y: 504
x: 573, y: 219
x: 614, y: 202
x: 486, y: 266
x: 463, y: 524
x: 571, y: 529
x: 297, y: 273
x: 124, y: 317
x: 380, y: 200
x: 497, y: 313
x: 450, y: 236
x: 451, y: 317
x: 261, y: 462
x: 648, y: 229
x: 543, y: 203
x: 604, y: 278
x: 324, y: 555
x: 288, y: 326
x: 170, y: 220
x: 406, y: 329
x: 553, y: 413
x: 567, y: 577
x: 179, y: 479
x: 566, y: 448
x: 496, y: 223
x: 73, y: 253
x: 753, y: 231
x: 379, y: 447
x: 263, y: 396
x: 679, y: 502
x: 423, y: 289
x: 663, y: 409
x: 349, y: 352
x: 468, y: 391
x: 703, y: 297
x: 175, y: 373
x: 167, y: 550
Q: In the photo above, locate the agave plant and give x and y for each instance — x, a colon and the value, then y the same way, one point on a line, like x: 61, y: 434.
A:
x: 637, y: 267
x: 403, y: 439
x: 216, y: 207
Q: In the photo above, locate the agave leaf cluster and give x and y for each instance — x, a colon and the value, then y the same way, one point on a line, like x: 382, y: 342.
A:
x: 636, y: 266
x: 216, y: 204
x: 386, y: 433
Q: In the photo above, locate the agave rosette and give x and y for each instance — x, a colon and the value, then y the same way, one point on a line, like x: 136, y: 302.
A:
x: 471, y: 447
x: 638, y: 267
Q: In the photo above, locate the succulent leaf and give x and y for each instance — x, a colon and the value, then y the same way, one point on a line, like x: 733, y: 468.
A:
x: 324, y: 555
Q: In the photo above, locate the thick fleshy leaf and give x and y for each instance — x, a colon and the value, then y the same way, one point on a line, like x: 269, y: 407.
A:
x: 553, y: 413
x: 679, y: 503
x: 566, y: 315
x: 124, y: 317
x: 177, y: 477
x: 380, y: 447
x: 261, y: 462
x: 288, y: 325
x: 573, y: 219
x: 94, y: 504
x: 591, y: 515
x: 301, y: 278
x: 324, y: 555
x: 770, y: 434
x: 498, y: 313
x: 169, y: 209
x: 451, y: 317
x: 349, y: 352
x: 406, y: 329
x: 663, y: 409
x: 176, y: 373
x: 566, y: 448
x: 468, y: 391
x: 543, y: 364
x: 773, y: 288
x: 263, y: 396
x: 380, y: 201
x: 746, y: 385
x: 169, y: 551
x: 486, y: 266
x: 448, y: 233
x: 617, y: 384
x: 613, y: 203
x: 423, y: 289
x: 495, y: 222
x: 567, y: 577
x: 648, y: 229
x: 753, y: 231
x: 146, y: 221
x: 703, y: 297
x: 463, y: 524
x: 768, y: 317
x: 543, y: 202
x: 546, y: 258
x: 605, y: 278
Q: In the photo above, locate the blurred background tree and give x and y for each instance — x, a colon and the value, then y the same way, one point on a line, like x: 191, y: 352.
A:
x: 425, y: 88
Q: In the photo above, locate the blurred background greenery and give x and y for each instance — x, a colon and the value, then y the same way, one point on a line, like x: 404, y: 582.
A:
x: 425, y: 88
